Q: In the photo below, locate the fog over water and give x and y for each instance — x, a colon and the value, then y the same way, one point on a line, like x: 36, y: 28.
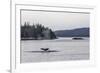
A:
x: 63, y: 48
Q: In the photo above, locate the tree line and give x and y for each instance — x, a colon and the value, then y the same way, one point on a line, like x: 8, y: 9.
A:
x: 36, y: 32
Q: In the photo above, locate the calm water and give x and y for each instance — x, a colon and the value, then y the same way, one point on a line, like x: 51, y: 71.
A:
x: 66, y: 49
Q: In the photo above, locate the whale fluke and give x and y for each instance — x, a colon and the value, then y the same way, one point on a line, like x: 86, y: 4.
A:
x: 44, y: 49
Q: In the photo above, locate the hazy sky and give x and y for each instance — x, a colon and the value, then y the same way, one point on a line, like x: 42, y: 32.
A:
x: 56, y: 20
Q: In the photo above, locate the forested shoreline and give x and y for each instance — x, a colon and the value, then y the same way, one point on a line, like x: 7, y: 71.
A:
x: 36, y: 32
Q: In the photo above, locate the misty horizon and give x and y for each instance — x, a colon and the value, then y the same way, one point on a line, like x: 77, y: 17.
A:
x: 59, y: 29
x: 55, y: 36
x: 56, y: 20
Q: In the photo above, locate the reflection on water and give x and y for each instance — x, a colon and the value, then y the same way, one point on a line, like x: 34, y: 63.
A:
x: 61, y: 49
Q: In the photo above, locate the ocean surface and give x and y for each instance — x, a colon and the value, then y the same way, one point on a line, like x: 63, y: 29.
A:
x: 61, y: 49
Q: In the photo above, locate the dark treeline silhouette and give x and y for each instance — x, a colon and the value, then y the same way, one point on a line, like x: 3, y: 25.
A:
x: 36, y: 32
x: 78, y: 32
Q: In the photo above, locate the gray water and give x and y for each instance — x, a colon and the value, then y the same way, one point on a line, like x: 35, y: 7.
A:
x: 66, y: 49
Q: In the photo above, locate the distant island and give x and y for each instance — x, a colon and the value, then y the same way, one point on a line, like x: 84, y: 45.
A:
x: 78, y: 32
x: 40, y: 32
x: 36, y: 32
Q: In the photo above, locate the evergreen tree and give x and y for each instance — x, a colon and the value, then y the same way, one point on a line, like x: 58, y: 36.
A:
x: 36, y: 31
x: 52, y: 35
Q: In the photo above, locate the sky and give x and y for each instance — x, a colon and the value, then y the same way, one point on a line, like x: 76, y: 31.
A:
x: 56, y: 20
